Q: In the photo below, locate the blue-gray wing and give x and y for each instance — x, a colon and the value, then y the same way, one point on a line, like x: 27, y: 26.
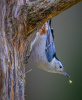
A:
x: 50, y: 46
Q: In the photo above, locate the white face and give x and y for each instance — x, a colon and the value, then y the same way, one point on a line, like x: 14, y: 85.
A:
x: 59, y: 67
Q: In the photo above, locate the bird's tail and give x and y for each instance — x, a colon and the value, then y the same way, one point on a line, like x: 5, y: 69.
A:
x: 49, y: 28
x: 49, y: 22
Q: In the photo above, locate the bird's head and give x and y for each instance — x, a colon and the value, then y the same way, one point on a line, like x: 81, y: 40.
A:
x: 59, y: 67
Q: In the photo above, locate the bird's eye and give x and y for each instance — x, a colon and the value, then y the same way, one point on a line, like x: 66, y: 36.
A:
x: 60, y: 66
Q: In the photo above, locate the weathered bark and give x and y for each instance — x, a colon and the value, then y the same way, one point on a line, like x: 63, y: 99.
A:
x: 34, y: 17
x: 18, y: 21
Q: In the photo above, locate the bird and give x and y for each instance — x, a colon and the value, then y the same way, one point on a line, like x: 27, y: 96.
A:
x: 43, y: 50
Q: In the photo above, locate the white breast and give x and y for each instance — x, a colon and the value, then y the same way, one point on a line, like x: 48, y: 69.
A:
x: 38, y: 50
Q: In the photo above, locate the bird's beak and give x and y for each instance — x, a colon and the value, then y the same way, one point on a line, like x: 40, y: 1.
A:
x: 66, y: 74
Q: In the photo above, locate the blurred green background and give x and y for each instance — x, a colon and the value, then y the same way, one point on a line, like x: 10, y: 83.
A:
x: 41, y: 85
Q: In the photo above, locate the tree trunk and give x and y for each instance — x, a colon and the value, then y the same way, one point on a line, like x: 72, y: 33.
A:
x: 18, y: 21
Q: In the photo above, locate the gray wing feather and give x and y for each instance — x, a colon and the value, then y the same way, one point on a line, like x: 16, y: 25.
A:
x: 50, y: 46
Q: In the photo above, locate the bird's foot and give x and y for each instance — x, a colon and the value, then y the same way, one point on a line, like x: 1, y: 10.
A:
x: 27, y: 57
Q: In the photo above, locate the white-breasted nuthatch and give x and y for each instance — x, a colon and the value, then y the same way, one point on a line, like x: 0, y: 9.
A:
x: 43, y: 51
